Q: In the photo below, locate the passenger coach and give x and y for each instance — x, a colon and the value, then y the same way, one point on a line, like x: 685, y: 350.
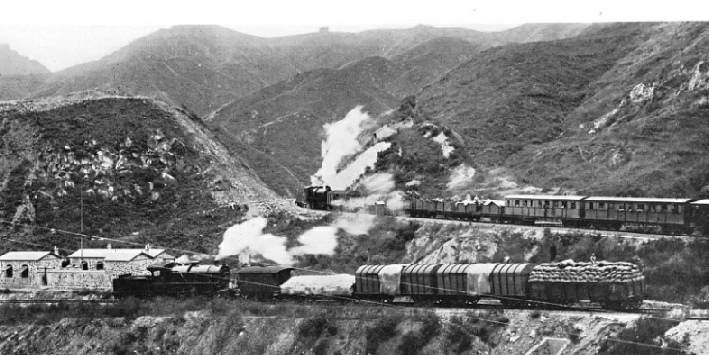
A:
x: 544, y: 209
x: 667, y: 214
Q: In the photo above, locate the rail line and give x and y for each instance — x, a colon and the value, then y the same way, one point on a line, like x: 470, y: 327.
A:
x: 56, y: 301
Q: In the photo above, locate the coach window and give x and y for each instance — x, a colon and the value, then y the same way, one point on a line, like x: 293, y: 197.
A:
x: 84, y: 265
x: 516, y: 203
x: 590, y: 205
x: 24, y: 271
x: 641, y: 207
x: 540, y: 203
x: 675, y: 208
x: 99, y: 265
x: 8, y: 271
x: 601, y: 205
x: 573, y: 205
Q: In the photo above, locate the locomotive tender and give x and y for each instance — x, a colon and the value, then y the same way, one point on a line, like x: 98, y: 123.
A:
x: 657, y: 215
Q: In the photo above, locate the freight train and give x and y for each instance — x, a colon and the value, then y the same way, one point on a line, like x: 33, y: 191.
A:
x: 616, y: 285
x: 643, y: 214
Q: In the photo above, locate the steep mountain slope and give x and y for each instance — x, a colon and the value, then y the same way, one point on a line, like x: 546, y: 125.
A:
x: 642, y: 130
x: 135, y: 166
x: 615, y: 110
x: 204, y: 67
x: 285, y: 119
x: 509, y: 97
x: 13, y: 63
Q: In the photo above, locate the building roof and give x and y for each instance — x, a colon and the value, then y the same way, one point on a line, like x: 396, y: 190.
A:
x: 105, y: 252
x: 545, y: 197
x: 25, y: 255
x: 638, y: 199
x: 126, y: 255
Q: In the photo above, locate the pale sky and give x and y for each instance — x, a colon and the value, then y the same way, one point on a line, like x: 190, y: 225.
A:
x: 60, y: 34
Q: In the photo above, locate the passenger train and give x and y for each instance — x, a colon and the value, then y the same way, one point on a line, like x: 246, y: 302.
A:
x: 642, y: 214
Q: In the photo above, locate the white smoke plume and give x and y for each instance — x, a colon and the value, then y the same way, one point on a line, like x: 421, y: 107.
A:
x: 379, y: 183
x: 380, y: 187
x: 248, y: 240
x: 354, y: 224
x: 461, y: 176
x: 317, y: 241
x: 355, y: 169
x: 341, y: 141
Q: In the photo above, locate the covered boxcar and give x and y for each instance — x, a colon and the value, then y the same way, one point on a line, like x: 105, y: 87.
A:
x: 492, y: 210
x: 378, y: 281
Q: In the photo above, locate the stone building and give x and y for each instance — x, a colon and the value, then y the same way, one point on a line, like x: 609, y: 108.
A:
x: 128, y: 261
x: 95, y: 259
x: 102, y: 270
x: 95, y: 269
x: 27, y: 269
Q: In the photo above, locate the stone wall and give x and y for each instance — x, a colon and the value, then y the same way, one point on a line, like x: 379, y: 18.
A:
x: 90, y: 261
x: 137, y: 266
x: 77, y: 279
x: 36, y: 276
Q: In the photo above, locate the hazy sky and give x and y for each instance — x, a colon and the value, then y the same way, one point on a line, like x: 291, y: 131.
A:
x: 63, y: 33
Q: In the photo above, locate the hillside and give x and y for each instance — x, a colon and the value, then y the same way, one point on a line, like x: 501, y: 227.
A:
x: 140, y: 170
x: 641, y: 130
x: 204, y: 67
x: 285, y: 120
x: 13, y: 63
x: 526, y: 110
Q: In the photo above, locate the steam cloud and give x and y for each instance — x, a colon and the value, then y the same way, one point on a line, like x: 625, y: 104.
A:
x: 247, y: 239
x: 461, y: 176
x: 341, y: 141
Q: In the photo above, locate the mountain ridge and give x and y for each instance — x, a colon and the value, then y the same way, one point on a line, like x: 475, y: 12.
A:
x: 13, y: 63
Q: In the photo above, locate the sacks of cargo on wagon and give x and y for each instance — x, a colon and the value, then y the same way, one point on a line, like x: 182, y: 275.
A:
x: 319, y: 285
x: 570, y: 271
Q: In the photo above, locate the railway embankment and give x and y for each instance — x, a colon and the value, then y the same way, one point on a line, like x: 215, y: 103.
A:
x: 218, y: 326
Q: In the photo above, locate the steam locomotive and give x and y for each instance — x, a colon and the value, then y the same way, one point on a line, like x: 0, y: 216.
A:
x: 171, y: 279
x: 616, y: 285
x: 644, y: 214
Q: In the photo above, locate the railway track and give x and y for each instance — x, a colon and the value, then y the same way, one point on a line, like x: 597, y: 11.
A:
x: 571, y: 311
x: 56, y: 301
x: 540, y: 228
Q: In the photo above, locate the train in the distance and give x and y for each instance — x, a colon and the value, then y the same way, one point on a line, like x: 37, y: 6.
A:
x: 642, y: 214
x: 611, y: 285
